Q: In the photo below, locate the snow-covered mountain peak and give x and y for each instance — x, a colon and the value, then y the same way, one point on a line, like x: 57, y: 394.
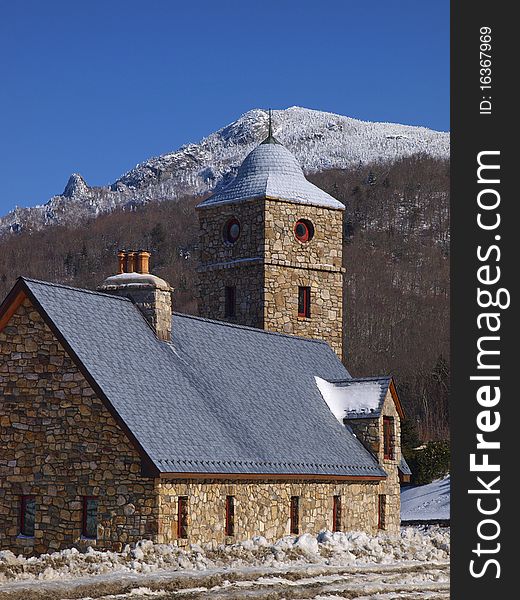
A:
x: 319, y: 140
x: 76, y: 186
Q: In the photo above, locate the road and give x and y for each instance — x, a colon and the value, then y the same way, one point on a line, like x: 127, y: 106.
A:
x: 408, y: 581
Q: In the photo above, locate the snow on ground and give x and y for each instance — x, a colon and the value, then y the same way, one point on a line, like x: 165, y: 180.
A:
x: 326, y: 548
x: 430, y: 502
x: 411, y: 566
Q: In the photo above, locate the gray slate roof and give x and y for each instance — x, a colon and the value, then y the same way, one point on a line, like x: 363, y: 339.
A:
x: 219, y: 399
x: 382, y: 382
x: 404, y: 467
x: 271, y: 171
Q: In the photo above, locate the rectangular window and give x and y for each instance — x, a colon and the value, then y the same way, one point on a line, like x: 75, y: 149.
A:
x: 27, y: 515
x: 336, y: 513
x: 89, y: 525
x: 295, y: 515
x: 388, y: 427
x: 381, y: 512
x: 182, y: 517
x: 230, y: 515
x: 304, y: 302
x: 230, y: 305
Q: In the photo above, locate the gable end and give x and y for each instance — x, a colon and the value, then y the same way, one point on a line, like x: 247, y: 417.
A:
x: 11, y: 303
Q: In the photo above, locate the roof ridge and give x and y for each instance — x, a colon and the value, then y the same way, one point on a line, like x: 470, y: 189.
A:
x: 75, y: 289
x: 248, y: 328
x: 362, y: 379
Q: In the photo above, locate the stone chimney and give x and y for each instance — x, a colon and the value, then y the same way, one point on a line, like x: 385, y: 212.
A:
x: 151, y: 295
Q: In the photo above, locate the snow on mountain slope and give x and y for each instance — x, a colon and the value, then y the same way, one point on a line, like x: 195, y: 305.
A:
x: 319, y: 140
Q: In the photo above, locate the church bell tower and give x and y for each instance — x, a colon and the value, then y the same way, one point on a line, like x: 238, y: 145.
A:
x: 271, y: 250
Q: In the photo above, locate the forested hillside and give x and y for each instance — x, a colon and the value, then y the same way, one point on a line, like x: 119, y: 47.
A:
x: 396, y: 252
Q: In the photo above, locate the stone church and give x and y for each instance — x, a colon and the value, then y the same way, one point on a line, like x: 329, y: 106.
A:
x: 122, y: 420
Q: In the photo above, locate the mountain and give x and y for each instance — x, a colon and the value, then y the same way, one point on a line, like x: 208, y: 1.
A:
x: 320, y: 141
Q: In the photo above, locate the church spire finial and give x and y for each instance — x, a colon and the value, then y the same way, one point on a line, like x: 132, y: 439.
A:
x: 270, y: 139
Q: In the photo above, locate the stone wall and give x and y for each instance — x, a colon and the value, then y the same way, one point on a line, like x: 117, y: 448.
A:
x: 281, y: 306
x: 224, y: 264
x: 154, y: 300
x: 367, y: 432
x: 59, y: 443
x: 317, y: 264
x: 212, y: 221
x: 248, y: 282
x: 391, y: 486
x: 267, y: 264
x: 281, y: 246
x: 263, y: 508
x: 370, y: 433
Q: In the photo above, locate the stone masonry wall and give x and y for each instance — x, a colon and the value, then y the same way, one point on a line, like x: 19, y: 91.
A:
x: 263, y: 508
x: 391, y: 486
x: 267, y: 264
x: 240, y: 264
x: 281, y: 305
x: 248, y: 282
x: 59, y: 443
x: 325, y: 250
x: 154, y: 302
x: 212, y: 221
x: 370, y: 433
x: 316, y: 264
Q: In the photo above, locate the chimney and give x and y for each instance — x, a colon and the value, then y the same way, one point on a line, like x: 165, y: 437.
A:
x: 152, y: 295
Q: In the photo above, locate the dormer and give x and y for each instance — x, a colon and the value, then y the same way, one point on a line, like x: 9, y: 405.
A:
x: 371, y: 408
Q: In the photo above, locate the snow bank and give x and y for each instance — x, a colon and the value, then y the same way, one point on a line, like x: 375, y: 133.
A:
x: 430, y: 502
x: 427, y: 544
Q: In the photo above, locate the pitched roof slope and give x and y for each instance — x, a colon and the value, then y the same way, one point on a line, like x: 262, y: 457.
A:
x: 219, y: 398
x: 404, y: 467
x: 272, y: 171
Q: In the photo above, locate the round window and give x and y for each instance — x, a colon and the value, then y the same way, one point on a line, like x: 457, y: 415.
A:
x: 304, y: 230
x: 232, y: 231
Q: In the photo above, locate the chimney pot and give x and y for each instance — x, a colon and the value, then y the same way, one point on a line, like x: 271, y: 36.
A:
x: 151, y: 294
x: 143, y: 262
x: 121, y: 257
x: 130, y: 261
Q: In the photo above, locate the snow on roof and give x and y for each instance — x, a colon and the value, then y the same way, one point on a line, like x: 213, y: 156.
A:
x: 352, y: 398
x: 272, y: 171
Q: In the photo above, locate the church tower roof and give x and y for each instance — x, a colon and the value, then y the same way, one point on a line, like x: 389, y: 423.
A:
x: 271, y: 171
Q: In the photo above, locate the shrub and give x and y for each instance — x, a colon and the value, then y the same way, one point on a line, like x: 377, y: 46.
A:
x: 430, y: 462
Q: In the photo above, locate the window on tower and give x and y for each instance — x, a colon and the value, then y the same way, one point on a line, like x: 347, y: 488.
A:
x: 304, y: 230
x: 230, y: 305
x: 304, y: 301
x: 232, y: 230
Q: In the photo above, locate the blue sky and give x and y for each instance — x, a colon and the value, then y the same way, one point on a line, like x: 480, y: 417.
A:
x: 97, y: 86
